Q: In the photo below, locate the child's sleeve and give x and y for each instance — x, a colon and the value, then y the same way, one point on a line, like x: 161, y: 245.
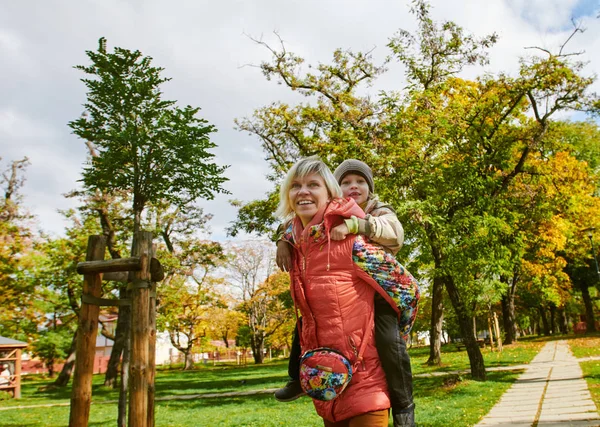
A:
x: 285, y: 232
x: 382, y: 226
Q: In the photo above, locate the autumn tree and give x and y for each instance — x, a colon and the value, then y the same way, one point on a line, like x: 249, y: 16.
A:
x: 18, y: 303
x: 261, y: 293
x: 445, y: 153
x: 189, y: 294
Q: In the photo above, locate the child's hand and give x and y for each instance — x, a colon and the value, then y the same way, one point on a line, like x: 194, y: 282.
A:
x: 284, y: 256
x: 339, y: 232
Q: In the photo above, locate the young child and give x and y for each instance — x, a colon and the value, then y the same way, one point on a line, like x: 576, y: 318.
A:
x: 381, y: 226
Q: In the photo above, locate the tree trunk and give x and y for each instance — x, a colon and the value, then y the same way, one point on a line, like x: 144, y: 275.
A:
x: 437, y: 318
x: 464, y: 321
x: 589, y: 309
x: 50, y: 367
x: 189, y: 360
x: 257, y: 349
x: 67, y: 369
x: 497, y: 329
x: 562, y: 324
x: 124, y: 386
x: 508, y: 313
x: 123, y: 325
x: 491, y: 334
x: 553, y: 319
x: 546, y: 326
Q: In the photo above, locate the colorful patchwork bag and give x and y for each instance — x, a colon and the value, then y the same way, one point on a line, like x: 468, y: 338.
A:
x: 324, y: 373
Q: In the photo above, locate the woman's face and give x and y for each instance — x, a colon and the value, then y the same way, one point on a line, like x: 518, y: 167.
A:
x: 308, y: 195
x: 355, y: 186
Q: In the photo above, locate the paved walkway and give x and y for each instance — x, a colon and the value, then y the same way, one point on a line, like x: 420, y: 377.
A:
x: 551, y: 392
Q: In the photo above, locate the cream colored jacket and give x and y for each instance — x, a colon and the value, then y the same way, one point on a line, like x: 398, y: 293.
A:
x: 382, y: 226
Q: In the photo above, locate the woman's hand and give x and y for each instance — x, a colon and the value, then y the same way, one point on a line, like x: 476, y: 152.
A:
x: 339, y: 232
x: 284, y: 256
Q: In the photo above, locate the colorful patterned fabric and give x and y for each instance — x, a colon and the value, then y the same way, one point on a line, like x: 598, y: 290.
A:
x: 324, y: 373
x: 393, y: 278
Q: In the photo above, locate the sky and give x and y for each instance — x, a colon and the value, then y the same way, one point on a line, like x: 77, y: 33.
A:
x: 205, y: 47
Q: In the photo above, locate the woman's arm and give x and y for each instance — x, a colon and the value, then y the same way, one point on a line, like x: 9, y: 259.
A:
x: 285, y: 239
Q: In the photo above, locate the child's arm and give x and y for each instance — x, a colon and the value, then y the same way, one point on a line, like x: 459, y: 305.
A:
x: 381, y: 226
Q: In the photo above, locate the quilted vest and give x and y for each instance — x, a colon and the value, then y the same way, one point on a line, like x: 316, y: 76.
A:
x: 336, y: 304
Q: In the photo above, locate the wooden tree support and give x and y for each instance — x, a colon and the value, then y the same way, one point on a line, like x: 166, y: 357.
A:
x: 145, y: 272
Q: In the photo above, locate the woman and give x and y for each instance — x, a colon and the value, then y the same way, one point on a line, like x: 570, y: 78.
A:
x: 380, y: 226
x: 332, y: 293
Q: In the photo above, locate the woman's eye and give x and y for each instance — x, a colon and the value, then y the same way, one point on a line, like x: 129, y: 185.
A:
x: 295, y: 185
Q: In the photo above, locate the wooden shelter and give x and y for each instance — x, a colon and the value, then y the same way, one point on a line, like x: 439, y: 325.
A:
x: 10, y: 353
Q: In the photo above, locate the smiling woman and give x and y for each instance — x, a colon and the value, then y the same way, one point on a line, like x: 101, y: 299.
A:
x: 334, y: 291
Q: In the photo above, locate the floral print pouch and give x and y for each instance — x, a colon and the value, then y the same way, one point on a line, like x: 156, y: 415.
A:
x: 324, y: 373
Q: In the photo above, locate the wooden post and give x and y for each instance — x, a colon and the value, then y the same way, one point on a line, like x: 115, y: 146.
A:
x: 18, y: 374
x: 140, y: 330
x: 152, y: 338
x: 81, y: 393
x: 152, y: 355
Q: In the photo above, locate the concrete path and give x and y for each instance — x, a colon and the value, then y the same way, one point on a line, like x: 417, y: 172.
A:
x: 551, y: 392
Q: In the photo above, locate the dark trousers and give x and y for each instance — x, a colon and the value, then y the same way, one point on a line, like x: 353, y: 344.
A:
x: 392, y: 353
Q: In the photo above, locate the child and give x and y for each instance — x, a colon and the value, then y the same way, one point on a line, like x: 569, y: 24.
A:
x: 381, y: 226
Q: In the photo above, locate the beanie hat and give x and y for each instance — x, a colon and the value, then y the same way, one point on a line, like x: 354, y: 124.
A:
x: 356, y: 167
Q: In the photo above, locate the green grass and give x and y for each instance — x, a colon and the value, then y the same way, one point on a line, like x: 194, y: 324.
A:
x: 441, y: 401
x: 452, y: 359
x: 585, y: 346
x: 591, y: 373
x: 588, y: 346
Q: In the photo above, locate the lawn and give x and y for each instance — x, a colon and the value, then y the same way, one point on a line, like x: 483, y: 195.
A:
x: 586, y: 347
x: 441, y: 400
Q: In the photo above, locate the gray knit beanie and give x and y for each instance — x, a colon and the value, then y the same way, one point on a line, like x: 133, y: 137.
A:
x: 357, y: 167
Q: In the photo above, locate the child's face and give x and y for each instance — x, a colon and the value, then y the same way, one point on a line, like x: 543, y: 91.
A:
x: 355, y: 186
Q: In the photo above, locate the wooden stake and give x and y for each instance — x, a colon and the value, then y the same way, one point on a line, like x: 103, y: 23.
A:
x: 152, y: 356
x: 81, y: 393
x: 140, y: 330
x: 18, y: 374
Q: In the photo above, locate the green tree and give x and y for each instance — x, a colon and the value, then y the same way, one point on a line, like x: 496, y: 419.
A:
x: 445, y: 153
x: 146, y: 145
x: 52, y: 346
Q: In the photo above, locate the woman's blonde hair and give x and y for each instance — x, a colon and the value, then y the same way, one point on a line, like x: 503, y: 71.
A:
x: 303, y: 167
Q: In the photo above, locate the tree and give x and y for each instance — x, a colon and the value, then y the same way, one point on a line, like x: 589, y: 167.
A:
x: 445, y: 153
x: 146, y: 145
x: 51, y: 346
x: 18, y: 303
x: 263, y: 295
